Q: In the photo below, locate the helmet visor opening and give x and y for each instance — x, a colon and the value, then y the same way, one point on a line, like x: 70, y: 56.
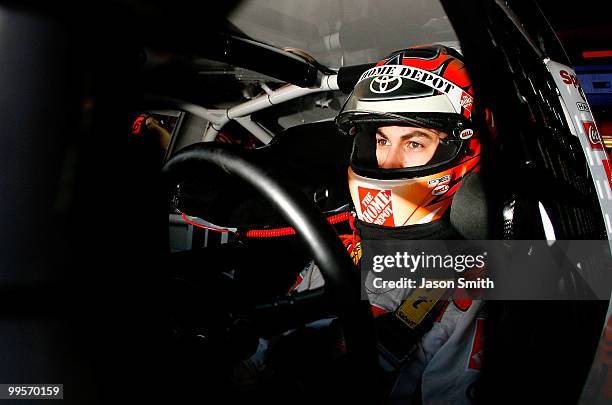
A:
x: 403, y: 147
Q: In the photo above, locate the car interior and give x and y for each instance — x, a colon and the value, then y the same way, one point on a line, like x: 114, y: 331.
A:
x: 165, y: 267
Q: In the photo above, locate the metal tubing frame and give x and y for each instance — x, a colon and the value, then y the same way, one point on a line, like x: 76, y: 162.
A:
x: 241, y: 113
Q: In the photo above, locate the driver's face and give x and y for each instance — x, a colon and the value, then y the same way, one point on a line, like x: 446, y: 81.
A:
x: 399, y: 146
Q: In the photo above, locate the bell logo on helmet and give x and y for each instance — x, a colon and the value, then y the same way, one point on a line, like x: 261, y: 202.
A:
x: 381, y: 84
x: 441, y: 189
x: 466, y: 134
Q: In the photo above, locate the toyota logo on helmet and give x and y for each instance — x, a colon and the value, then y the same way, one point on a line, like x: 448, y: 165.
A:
x: 385, y: 84
x: 417, y: 92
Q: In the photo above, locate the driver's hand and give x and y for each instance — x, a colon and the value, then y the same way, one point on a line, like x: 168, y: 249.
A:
x: 151, y: 122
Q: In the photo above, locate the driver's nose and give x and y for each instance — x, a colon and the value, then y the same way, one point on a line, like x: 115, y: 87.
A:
x: 391, y: 159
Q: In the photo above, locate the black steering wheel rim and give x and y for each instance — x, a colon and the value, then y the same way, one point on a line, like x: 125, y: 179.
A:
x: 342, y: 279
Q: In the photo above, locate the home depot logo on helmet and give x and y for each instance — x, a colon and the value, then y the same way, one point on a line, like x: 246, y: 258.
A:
x: 376, y: 206
x: 458, y: 97
x: 411, y: 73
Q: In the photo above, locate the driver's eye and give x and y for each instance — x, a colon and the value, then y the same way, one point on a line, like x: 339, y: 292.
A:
x: 383, y: 142
x: 414, y: 145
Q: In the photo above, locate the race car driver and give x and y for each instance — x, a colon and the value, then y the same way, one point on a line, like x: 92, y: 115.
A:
x: 411, y: 119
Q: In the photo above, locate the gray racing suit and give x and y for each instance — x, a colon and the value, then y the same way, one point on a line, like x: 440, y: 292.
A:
x: 448, y: 358
x: 446, y: 361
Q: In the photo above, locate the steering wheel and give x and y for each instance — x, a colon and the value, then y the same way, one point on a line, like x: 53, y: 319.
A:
x: 341, y: 278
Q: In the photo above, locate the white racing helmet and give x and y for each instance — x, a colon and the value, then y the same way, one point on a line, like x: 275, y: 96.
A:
x: 425, y: 87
